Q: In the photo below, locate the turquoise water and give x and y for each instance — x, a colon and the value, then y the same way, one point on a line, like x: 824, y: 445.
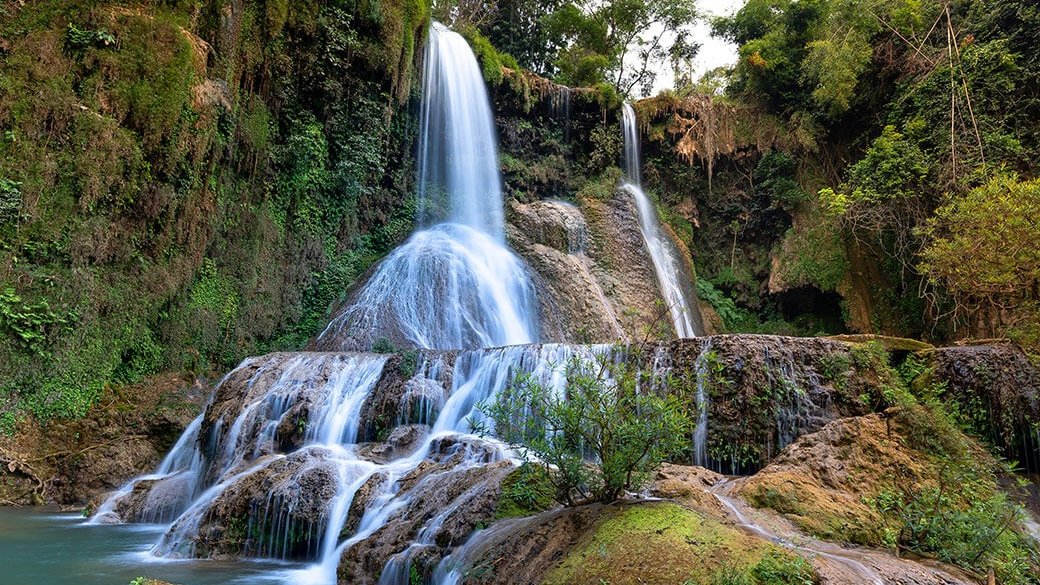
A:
x: 46, y: 548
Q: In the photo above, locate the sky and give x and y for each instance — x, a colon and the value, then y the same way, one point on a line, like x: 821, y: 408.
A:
x: 714, y: 52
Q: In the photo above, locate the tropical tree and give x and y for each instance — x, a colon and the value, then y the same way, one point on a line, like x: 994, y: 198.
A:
x: 622, y: 42
x: 982, y: 249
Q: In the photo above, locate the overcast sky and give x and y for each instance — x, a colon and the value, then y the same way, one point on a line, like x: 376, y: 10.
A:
x: 714, y: 52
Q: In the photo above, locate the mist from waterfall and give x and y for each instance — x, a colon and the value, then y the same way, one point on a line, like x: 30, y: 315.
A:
x: 676, y: 289
x: 453, y: 285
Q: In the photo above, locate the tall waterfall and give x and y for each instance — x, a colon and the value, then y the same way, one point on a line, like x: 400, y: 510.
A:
x: 453, y: 285
x: 282, y: 464
x: 328, y: 457
x: 676, y: 289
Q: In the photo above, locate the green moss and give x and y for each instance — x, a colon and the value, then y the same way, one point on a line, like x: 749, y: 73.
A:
x: 491, y: 61
x: 525, y: 491
x: 601, y: 188
x: 666, y: 543
x: 813, y: 253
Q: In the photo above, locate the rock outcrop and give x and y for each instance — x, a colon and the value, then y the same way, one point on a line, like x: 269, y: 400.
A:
x: 997, y: 389
x: 553, y: 238
x: 73, y: 463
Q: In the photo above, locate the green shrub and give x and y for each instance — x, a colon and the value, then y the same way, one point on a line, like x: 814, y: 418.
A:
x: 10, y: 200
x: 982, y: 250
x: 733, y: 317
x: 782, y: 568
x: 775, y: 176
x: 603, y: 415
x: 78, y: 40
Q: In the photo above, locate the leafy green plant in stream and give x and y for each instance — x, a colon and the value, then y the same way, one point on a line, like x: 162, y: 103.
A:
x: 383, y: 345
x: 605, y: 416
x: 414, y: 576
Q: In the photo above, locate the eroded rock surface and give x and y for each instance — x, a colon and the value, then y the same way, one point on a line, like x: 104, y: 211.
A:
x: 998, y: 389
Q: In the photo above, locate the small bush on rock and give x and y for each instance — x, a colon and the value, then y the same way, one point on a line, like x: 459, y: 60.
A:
x: 601, y: 436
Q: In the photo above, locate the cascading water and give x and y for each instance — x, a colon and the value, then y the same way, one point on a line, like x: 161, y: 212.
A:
x: 277, y: 460
x: 170, y: 486
x: 677, y: 291
x: 294, y: 502
x: 700, y: 430
x: 454, y: 285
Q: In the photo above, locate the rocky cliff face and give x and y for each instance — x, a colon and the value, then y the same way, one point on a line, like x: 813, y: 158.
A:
x: 595, y: 279
x: 997, y: 390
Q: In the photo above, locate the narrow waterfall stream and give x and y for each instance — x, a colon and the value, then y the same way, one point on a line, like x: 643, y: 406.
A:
x: 676, y: 289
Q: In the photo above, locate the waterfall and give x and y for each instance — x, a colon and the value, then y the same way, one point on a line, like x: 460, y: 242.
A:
x: 276, y: 465
x: 700, y: 430
x: 453, y: 285
x: 170, y: 486
x: 458, y: 151
x: 676, y: 290
x: 318, y: 457
x: 300, y: 496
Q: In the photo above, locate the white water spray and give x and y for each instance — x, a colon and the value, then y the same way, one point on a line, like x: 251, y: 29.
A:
x: 454, y: 285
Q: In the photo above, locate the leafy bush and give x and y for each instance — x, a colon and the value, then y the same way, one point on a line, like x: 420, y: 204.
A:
x: 33, y: 325
x: 732, y: 315
x: 602, y: 436
x: 775, y: 176
x: 982, y: 248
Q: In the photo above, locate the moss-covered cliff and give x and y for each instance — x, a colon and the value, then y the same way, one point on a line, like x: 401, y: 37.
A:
x: 189, y: 182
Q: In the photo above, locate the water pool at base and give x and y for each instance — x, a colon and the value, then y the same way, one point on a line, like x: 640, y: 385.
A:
x: 40, y: 547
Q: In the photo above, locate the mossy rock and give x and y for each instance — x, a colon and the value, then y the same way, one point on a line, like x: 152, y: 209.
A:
x: 890, y: 343
x: 525, y: 492
x: 666, y: 543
